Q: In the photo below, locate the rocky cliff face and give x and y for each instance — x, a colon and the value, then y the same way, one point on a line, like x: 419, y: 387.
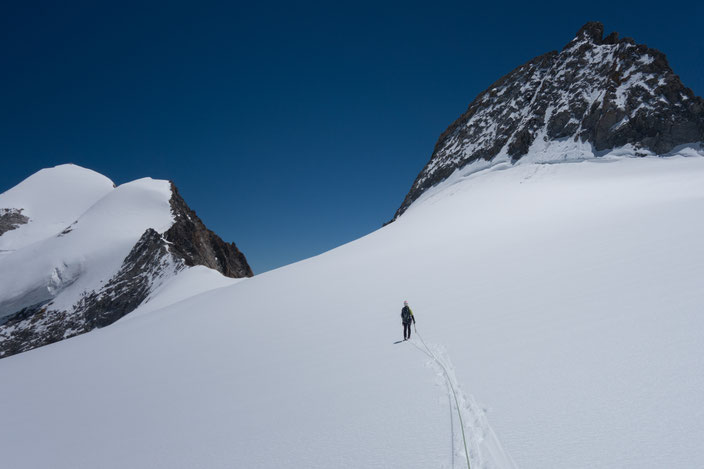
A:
x: 197, y: 245
x: 604, y: 91
x: 155, y: 258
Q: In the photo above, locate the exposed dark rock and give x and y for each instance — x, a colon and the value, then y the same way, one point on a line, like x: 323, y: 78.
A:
x: 606, y: 92
x: 149, y: 260
x: 591, y: 31
x: 33, y: 327
x: 197, y: 245
x: 68, y: 229
x: 11, y: 218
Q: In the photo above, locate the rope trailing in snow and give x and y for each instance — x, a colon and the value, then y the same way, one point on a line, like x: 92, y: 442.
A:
x: 428, y: 352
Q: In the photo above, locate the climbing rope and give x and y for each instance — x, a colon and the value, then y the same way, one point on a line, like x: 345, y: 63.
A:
x: 430, y: 354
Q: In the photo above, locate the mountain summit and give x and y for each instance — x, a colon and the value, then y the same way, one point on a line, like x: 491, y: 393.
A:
x: 596, y: 94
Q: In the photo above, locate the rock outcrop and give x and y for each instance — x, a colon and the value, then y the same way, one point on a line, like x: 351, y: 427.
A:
x: 11, y: 218
x: 604, y: 91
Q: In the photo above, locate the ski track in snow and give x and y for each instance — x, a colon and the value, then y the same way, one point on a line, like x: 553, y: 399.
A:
x: 485, y: 449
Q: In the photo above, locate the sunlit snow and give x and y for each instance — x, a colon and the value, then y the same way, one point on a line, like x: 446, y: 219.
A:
x: 564, y: 299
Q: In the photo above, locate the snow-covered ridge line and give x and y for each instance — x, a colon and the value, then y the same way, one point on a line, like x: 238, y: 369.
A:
x: 52, y: 199
x: 95, y: 253
x: 93, y: 246
x: 551, y: 152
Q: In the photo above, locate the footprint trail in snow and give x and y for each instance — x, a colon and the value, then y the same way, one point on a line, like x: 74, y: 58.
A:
x: 485, y: 449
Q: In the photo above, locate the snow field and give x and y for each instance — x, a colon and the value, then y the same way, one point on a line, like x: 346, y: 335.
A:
x: 568, y: 297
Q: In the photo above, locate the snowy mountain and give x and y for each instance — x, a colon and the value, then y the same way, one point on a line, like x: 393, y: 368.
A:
x: 596, y: 95
x: 77, y: 253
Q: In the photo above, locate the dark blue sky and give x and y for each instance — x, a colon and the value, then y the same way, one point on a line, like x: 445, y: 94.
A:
x: 290, y: 128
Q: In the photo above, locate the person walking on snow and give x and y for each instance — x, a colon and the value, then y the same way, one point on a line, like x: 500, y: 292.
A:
x: 407, y: 318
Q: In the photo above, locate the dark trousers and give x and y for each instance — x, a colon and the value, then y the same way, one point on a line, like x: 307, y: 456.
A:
x: 407, y: 331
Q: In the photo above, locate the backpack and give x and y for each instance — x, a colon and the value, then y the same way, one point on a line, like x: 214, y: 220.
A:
x: 406, y: 315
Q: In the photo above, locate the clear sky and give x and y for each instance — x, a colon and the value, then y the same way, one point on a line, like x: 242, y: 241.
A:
x: 290, y: 128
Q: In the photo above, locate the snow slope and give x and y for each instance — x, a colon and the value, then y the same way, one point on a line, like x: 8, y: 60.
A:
x: 52, y: 198
x: 189, y: 282
x: 563, y: 299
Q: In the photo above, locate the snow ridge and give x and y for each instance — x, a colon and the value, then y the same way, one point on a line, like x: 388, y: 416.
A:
x: 51, y: 200
x: 89, y: 253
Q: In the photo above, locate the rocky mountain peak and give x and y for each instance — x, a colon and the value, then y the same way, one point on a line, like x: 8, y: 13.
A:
x: 596, y: 94
x: 592, y: 31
